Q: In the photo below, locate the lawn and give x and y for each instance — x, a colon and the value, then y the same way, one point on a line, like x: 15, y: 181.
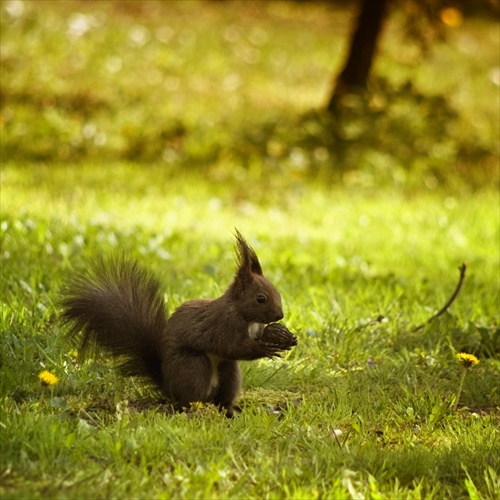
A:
x: 364, y: 246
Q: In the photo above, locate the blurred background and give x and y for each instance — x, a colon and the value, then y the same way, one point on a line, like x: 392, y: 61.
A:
x: 354, y: 91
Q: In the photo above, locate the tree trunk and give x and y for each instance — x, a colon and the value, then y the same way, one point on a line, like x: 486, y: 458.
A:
x: 355, y: 74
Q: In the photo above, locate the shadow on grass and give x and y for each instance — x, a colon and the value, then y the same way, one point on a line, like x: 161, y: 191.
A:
x: 389, y: 132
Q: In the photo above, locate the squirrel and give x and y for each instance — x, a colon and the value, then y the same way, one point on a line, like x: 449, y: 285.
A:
x: 192, y: 355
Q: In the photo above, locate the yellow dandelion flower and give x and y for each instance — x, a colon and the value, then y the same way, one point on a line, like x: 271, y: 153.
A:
x: 467, y: 360
x: 47, y: 378
x: 73, y: 353
x: 197, y: 405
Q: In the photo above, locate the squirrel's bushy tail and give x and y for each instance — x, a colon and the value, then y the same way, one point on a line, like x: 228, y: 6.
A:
x: 117, y: 307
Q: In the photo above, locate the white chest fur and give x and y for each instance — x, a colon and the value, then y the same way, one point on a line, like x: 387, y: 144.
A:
x: 254, y: 329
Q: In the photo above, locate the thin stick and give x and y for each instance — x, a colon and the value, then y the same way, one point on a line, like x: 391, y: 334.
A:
x: 450, y: 301
x: 336, y: 438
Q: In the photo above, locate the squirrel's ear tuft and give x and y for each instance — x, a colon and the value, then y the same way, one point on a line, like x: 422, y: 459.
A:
x: 247, y: 259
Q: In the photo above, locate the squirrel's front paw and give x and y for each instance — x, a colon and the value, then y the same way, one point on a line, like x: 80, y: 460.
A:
x: 269, y: 349
x: 278, y: 335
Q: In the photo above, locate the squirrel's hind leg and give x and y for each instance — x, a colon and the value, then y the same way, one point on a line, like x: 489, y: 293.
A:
x: 229, y: 386
x: 187, y: 379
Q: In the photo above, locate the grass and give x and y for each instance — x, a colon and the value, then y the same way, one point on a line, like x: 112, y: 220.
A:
x: 364, y: 406
x: 209, y: 86
x: 388, y: 389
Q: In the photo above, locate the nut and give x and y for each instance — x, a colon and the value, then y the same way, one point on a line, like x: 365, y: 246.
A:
x: 280, y: 335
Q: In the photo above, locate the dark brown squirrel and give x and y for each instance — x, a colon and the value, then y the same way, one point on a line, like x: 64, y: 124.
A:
x: 193, y: 354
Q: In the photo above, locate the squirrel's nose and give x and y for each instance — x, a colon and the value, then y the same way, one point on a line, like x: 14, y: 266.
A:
x: 279, y: 316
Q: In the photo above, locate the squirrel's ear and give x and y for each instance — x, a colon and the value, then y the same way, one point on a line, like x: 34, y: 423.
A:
x: 248, y: 262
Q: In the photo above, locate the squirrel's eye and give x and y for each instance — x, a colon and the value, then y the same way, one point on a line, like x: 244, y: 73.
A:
x: 261, y: 298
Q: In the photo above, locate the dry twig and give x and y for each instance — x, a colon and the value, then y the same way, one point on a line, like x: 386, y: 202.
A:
x: 450, y: 301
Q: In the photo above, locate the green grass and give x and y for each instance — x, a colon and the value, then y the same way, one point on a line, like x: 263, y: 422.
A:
x: 125, y: 140
x: 209, y: 85
x: 340, y: 258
